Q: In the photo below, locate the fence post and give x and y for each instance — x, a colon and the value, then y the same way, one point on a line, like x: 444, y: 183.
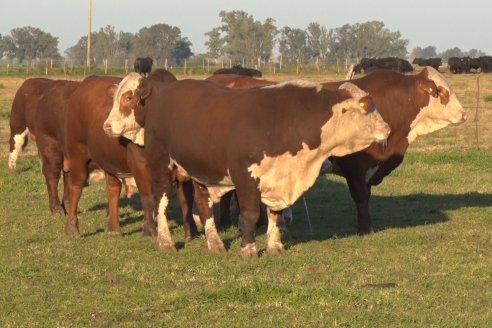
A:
x: 126, y: 66
x: 184, y: 68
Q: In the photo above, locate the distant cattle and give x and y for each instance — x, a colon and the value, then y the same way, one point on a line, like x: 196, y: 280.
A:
x: 22, y: 115
x: 458, y: 65
x: 266, y: 143
x: 239, y: 70
x: 486, y: 64
x: 390, y: 63
x: 433, y: 106
x: 432, y: 62
x: 143, y: 65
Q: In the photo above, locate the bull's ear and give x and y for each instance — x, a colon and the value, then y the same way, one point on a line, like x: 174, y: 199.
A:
x: 429, y: 87
x: 110, y: 91
x: 144, y: 89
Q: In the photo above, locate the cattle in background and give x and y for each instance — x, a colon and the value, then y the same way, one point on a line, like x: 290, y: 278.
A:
x: 485, y: 64
x: 22, y: 115
x: 433, y: 106
x: 390, y: 63
x: 234, y: 144
x: 432, y: 62
x: 143, y: 65
x: 458, y: 65
x: 88, y: 108
x: 239, y: 70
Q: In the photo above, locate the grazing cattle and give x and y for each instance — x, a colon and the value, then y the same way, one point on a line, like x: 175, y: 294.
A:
x: 22, y: 115
x: 88, y: 107
x: 485, y: 64
x: 433, y: 62
x: 239, y: 70
x: 266, y: 143
x: 412, y: 105
x: 390, y: 63
x: 143, y: 65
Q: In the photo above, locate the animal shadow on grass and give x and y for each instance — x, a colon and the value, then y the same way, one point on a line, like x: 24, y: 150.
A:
x: 333, y: 214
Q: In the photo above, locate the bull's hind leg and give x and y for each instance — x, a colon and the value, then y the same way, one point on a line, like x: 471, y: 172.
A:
x: 248, y: 197
x: 274, y: 244
x: 205, y: 208
x: 185, y: 199
x: 17, y: 143
x: 161, y: 187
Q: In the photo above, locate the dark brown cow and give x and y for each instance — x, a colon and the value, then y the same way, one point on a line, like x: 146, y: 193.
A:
x: 412, y: 105
x: 50, y: 135
x: 22, y: 115
x: 266, y: 143
x: 88, y: 108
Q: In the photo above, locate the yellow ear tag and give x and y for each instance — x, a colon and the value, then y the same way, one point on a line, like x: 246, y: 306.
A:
x: 361, y: 104
x: 430, y: 90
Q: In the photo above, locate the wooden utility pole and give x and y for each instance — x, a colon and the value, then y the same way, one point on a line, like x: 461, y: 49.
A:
x: 88, y: 59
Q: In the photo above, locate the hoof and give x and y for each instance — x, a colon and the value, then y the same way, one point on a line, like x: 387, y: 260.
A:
x: 165, y: 246
x: 277, y: 249
x: 249, y: 252
x: 57, y: 211
x: 149, y: 230
x: 216, y: 248
x: 114, y: 233
x: 72, y: 230
x: 365, y: 231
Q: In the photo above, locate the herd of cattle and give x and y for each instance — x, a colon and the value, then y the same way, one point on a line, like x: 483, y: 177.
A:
x: 457, y: 65
x: 266, y: 141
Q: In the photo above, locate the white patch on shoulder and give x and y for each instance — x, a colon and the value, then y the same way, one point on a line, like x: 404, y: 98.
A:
x: 297, y: 83
x: 284, y: 178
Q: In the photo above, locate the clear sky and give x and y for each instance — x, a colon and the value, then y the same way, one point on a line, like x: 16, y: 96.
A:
x: 444, y: 24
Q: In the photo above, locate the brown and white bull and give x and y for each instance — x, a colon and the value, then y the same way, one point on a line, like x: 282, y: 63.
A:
x: 266, y: 143
x: 412, y: 105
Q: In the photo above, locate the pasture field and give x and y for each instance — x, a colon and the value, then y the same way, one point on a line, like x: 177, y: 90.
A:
x: 429, y: 264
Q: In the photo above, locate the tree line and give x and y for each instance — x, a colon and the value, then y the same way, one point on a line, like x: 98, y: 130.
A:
x: 240, y: 39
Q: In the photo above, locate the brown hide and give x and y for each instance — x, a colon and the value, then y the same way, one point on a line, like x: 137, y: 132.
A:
x: 50, y: 135
x: 239, y: 81
x: 24, y: 108
x: 85, y: 141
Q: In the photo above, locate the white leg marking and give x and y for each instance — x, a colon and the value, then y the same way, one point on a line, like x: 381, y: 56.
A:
x: 249, y: 251
x: 163, y: 234
x: 19, y: 140
x: 214, y: 243
x: 274, y: 244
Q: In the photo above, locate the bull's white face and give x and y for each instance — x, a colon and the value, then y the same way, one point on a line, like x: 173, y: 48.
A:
x: 355, y: 124
x: 443, y: 109
x: 121, y: 120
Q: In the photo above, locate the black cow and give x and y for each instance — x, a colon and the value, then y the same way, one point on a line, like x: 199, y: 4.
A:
x: 390, y: 63
x: 485, y: 64
x: 432, y: 62
x: 458, y: 65
x: 143, y: 66
x: 239, y: 70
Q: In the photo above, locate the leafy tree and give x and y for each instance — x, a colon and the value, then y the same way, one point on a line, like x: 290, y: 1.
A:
x: 30, y: 43
x: 242, y: 38
x: 427, y: 52
x: 159, y: 42
x: 474, y: 53
x: 293, y: 45
x: 78, y: 52
x: 455, y: 52
x: 318, y: 41
x: 182, y: 51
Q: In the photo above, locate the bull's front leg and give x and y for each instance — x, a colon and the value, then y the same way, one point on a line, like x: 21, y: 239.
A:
x: 161, y: 188
x: 185, y: 199
x: 274, y: 244
x: 78, y: 178
x: 205, y: 208
x: 361, y: 193
x: 113, y: 187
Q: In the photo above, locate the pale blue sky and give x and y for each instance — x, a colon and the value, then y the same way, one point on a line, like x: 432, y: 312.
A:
x: 443, y: 24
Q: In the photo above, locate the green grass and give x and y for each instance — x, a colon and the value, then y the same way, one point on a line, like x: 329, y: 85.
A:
x: 429, y: 265
x: 488, y: 98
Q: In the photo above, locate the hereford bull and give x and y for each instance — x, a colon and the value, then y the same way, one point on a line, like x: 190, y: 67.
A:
x: 88, y: 107
x: 266, y: 143
x: 412, y: 105
x: 22, y: 115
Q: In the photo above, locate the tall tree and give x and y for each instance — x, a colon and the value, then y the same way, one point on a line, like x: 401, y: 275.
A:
x: 182, y: 51
x: 159, y: 41
x: 455, y: 52
x: 318, y: 40
x: 30, y: 43
x: 242, y: 38
x: 293, y: 45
